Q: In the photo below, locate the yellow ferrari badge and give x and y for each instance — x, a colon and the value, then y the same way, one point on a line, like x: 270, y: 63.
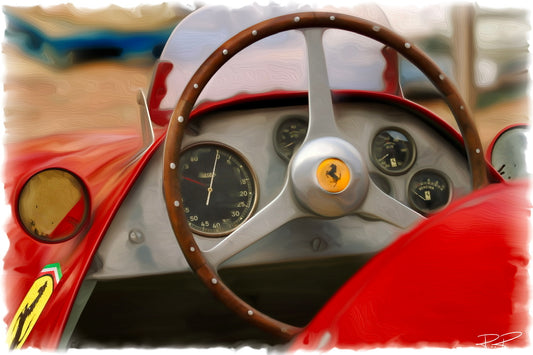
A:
x: 32, y: 306
x: 333, y: 175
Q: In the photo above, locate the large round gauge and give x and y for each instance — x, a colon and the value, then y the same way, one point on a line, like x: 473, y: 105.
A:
x: 290, y: 133
x: 218, y: 189
x: 393, y: 151
x: 429, y: 191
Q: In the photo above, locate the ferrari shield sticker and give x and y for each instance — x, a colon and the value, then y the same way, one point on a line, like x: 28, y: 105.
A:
x: 32, y: 306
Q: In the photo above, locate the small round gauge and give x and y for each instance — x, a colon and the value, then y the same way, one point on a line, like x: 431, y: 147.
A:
x: 290, y: 133
x: 393, y: 151
x: 429, y: 191
x: 509, y: 154
x: 218, y: 189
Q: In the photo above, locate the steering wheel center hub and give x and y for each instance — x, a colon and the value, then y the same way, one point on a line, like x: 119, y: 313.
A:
x: 329, y: 176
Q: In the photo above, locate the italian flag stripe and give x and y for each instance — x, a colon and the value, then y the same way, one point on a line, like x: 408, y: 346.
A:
x: 55, y: 269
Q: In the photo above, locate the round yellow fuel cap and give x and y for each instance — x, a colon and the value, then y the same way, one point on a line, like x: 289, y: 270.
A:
x: 333, y: 175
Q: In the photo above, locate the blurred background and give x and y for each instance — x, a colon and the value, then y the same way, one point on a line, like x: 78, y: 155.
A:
x: 71, y: 68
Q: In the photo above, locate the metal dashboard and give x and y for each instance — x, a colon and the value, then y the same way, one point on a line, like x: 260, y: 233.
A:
x: 140, y: 240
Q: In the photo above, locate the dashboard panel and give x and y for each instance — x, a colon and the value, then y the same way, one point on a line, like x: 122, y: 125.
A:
x: 406, y: 154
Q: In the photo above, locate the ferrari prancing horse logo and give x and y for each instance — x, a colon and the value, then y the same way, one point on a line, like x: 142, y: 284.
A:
x: 333, y: 175
x: 32, y: 306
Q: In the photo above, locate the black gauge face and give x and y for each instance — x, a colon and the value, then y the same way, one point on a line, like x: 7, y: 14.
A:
x: 393, y: 151
x: 289, y: 135
x: 218, y: 189
x: 429, y: 191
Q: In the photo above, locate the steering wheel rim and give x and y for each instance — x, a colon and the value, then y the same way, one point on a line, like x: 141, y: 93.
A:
x: 180, y: 116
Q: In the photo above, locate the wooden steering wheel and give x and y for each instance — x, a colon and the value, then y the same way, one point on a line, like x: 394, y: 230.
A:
x: 321, y: 127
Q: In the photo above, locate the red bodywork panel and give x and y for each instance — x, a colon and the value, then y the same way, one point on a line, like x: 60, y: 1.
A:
x: 107, y: 164
x: 460, y: 278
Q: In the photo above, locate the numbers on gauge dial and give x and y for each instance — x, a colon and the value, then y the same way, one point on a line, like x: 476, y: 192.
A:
x: 393, y: 151
x: 218, y: 188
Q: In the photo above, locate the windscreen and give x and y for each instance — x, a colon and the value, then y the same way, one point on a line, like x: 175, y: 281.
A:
x: 275, y: 63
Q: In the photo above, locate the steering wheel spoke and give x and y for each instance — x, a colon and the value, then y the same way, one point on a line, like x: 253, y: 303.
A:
x: 382, y: 206
x: 321, y: 116
x: 277, y: 213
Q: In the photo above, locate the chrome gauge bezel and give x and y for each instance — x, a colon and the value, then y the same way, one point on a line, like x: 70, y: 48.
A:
x: 253, y: 183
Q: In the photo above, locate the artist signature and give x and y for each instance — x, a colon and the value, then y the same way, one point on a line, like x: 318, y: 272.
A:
x: 491, y: 341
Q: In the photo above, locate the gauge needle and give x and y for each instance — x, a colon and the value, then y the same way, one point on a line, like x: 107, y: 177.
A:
x: 194, y: 181
x: 422, y: 197
x: 210, y: 188
x: 288, y: 145
x: 383, y: 157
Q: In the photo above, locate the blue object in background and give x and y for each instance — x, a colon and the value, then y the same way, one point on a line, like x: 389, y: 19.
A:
x: 85, y: 46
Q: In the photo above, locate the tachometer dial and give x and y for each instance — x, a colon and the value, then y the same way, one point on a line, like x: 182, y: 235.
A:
x: 289, y: 135
x: 429, y: 191
x: 393, y: 151
x: 218, y: 189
